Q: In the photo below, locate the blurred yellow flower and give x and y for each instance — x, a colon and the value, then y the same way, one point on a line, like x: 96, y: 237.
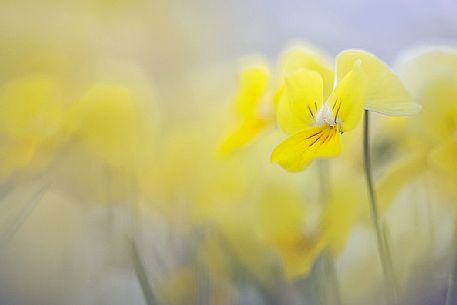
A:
x: 248, y: 103
x: 284, y: 223
x: 113, y: 122
x: 340, y: 215
x: 315, y: 120
x: 431, y: 74
x: 258, y: 92
x: 31, y: 117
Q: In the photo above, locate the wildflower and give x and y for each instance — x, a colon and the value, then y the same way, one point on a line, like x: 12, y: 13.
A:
x: 253, y: 83
x: 113, y: 122
x: 436, y: 90
x: 432, y: 74
x: 288, y: 230
x: 259, y: 91
x: 31, y: 118
x: 315, y: 118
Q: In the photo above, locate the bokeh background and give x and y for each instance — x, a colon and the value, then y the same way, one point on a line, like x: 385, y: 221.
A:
x: 64, y: 226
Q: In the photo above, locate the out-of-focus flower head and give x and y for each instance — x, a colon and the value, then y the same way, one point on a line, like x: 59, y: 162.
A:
x: 115, y: 118
x: 431, y: 74
x: 250, y: 106
x: 32, y: 114
x: 284, y: 223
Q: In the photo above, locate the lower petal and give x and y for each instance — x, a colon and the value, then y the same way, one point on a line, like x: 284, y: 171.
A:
x: 241, y: 136
x: 297, y: 151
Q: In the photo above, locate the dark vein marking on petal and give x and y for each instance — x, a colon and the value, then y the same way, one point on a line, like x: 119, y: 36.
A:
x: 317, y: 139
x: 337, y: 111
x: 310, y: 111
x: 314, y: 134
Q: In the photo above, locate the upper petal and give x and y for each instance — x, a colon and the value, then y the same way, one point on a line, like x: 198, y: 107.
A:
x: 252, y: 84
x: 384, y: 92
x: 299, y: 57
x: 301, y: 100
x: 346, y: 101
x: 286, y: 119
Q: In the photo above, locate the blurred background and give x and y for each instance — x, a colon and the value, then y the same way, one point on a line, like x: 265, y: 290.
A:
x: 110, y: 191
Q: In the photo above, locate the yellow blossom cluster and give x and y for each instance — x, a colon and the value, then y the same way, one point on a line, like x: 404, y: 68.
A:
x: 254, y: 183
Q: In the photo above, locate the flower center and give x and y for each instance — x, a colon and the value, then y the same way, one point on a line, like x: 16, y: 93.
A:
x: 325, y: 116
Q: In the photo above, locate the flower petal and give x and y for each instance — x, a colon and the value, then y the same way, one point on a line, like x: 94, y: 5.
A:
x: 301, y: 101
x: 253, y: 81
x: 310, y: 58
x: 419, y: 68
x: 384, y: 92
x: 297, y: 151
x: 431, y: 74
x: 287, y: 120
x: 397, y: 176
x: 346, y: 101
x: 241, y: 135
x: 30, y: 107
x: 341, y: 213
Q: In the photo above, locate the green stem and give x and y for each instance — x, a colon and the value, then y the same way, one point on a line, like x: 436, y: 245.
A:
x: 452, y: 276
x: 383, y: 247
x: 451, y: 285
x: 138, y: 264
x: 141, y: 274
x: 17, y: 221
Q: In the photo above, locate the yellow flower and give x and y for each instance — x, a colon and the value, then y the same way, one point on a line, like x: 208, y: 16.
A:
x: 258, y: 92
x: 343, y: 211
x: 431, y: 74
x: 253, y: 83
x: 284, y: 223
x: 114, y: 123
x: 315, y: 118
x: 304, y: 57
x: 31, y: 117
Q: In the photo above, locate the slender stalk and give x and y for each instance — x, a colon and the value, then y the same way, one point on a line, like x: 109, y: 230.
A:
x: 450, y: 289
x: 16, y: 223
x: 133, y: 202
x: 383, y: 247
x: 452, y: 276
x: 451, y: 286
x: 141, y: 274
